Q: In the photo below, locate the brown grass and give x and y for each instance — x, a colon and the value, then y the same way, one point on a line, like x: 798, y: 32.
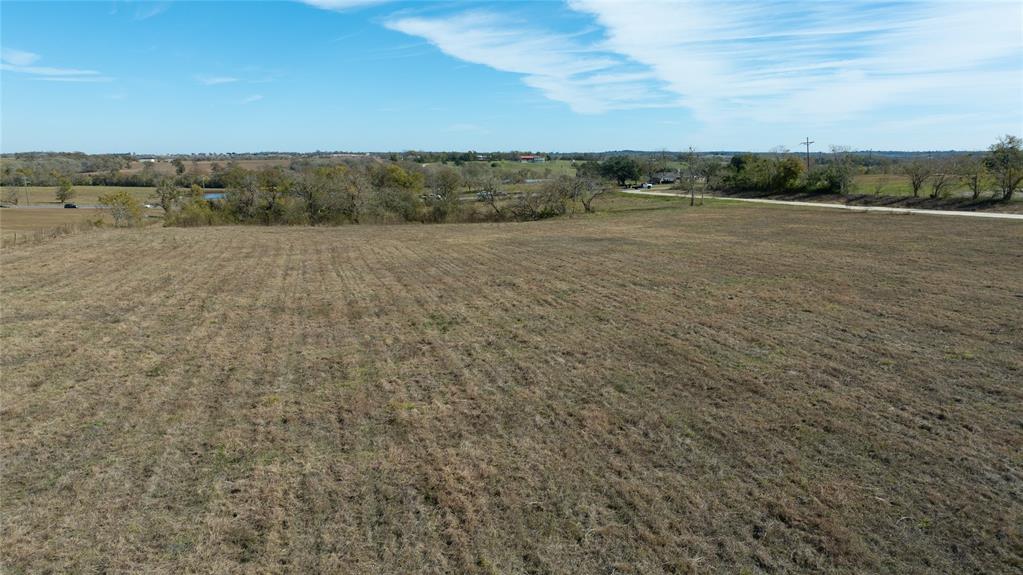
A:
x: 28, y: 225
x: 205, y: 167
x: 723, y: 389
x: 83, y: 195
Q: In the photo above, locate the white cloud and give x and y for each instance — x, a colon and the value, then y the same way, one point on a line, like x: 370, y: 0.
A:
x: 785, y: 61
x: 20, y: 61
x: 150, y: 9
x: 18, y: 57
x: 586, y: 78
x: 466, y: 128
x: 74, y: 78
x: 252, y: 98
x: 339, y: 5
x: 215, y: 80
x: 731, y: 63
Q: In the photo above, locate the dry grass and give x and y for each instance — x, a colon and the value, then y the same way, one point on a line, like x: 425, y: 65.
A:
x: 166, y: 168
x: 21, y: 225
x: 32, y: 195
x: 724, y: 389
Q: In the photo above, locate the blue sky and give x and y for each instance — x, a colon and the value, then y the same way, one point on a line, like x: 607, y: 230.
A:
x: 582, y: 75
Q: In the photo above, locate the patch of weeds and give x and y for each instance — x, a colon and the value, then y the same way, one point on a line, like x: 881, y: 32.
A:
x: 960, y: 355
x: 156, y: 371
x: 441, y: 322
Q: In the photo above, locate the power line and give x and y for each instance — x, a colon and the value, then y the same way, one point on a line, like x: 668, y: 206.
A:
x: 807, y: 144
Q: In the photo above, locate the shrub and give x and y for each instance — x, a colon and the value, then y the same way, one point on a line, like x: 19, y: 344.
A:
x: 123, y: 207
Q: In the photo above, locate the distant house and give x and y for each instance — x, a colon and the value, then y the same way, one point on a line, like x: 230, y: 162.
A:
x: 148, y: 160
x: 664, y: 178
x: 532, y: 159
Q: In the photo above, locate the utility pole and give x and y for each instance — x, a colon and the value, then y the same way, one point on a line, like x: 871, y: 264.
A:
x: 807, y: 144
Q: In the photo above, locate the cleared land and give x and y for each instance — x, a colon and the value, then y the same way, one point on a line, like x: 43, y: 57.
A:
x: 18, y: 225
x: 31, y: 195
x: 724, y: 389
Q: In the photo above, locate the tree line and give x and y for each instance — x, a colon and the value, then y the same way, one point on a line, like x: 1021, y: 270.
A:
x: 999, y: 171
x: 360, y: 191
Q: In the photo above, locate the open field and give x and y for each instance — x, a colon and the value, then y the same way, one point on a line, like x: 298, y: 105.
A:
x: 165, y: 167
x: 898, y: 185
x: 30, y: 195
x: 17, y: 224
x: 730, y: 389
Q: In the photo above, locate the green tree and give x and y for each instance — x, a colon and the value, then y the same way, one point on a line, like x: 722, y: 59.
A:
x: 167, y: 195
x: 444, y: 199
x: 786, y: 173
x: 621, y: 169
x: 123, y: 207
x: 179, y: 166
x: 65, y: 192
x: 1005, y: 162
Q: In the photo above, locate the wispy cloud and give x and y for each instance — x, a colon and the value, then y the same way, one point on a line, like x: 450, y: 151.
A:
x: 762, y: 61
x: 252, y: 98
x: 85, y: 79
x: 149, y: 10
x: 467, y: 128
x: 215, y: 80
x: 587, y: 78
x: 18, y: 57
x: 339, y: 5
x: 779, y: 61
x: 21, y: 62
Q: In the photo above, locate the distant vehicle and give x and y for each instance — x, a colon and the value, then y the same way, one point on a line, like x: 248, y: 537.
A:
x: 69, y: 206
x: 647, y: 186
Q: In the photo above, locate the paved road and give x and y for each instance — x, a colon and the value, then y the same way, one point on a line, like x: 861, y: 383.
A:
x: 991, y: 215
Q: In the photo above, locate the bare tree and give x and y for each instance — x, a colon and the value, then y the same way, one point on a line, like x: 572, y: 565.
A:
x: 941, y: 180
x: 918, y: 171
x: 490, y: 192
x: 589, y: 189
x: 879, y: 183
x: 973, y: 172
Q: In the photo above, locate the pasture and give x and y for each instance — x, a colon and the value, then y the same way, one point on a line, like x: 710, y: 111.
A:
x: 87, y: 195
x: 654, y: 389
x: 18, y: 225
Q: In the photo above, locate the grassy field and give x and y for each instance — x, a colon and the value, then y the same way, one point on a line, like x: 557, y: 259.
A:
x: 166, y: 168
x: 730, y: 389
x: 898, y: 185
x: 88, y: 195
x: 21, y: 224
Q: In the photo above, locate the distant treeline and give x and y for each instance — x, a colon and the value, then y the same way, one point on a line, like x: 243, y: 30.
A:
x: 996, y: 170
x: 369, y: 190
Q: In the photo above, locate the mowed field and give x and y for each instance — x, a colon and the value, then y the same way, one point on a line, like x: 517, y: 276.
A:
x: 730, y: 389
x: 20, y: 225
x: 86, y: 195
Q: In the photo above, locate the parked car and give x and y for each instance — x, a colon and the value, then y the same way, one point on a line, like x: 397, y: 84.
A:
x: 70, y: 206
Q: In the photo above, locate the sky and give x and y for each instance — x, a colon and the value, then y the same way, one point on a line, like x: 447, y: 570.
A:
x: 576, y: 75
